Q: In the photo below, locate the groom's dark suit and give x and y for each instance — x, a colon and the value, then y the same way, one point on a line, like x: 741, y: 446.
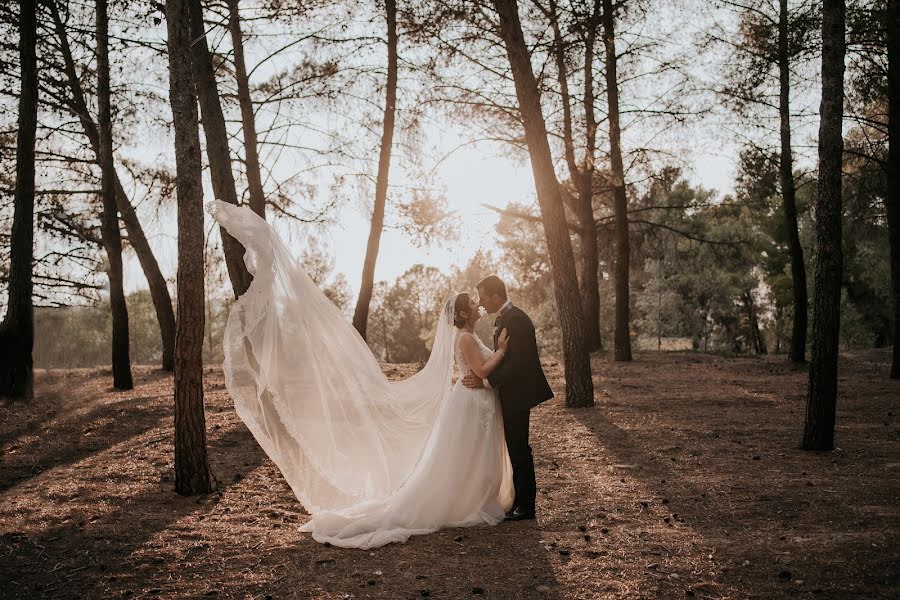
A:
x: 522, y: 385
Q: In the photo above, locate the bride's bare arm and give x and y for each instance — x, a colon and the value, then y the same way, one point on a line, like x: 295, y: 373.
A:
x: 480, y: 366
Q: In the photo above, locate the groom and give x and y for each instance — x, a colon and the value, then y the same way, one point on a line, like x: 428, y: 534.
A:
x: 522, y: 385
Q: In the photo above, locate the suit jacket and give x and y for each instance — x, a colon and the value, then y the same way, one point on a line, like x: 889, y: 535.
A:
x: 519, y: 378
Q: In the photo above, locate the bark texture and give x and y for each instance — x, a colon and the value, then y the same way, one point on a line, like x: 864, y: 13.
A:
x: 797, y: 351
x: 191, y: 464
x: 622, y: 340
x: 216, y: 143
x: 579, y: 385
x: 109, y: 223
x: 361, y: 313
x: 248, y: 118
x: 17, y: 328
x: 818, y: 431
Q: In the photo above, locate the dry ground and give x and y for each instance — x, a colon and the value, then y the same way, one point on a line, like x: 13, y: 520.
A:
x: 685, y: 480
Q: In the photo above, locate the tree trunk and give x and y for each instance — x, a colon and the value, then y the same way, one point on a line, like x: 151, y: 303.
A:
x: 17, y: 328
x: 620, y: 201
x: 590, y: 255
x: 384, y: 333
x: 579, y: 386
x: 757, y: 341
x: 159, y: 290
x: 818, y: 432
x: 893, y: 168
x: 658, y: 316
x: 248, y: 119
x: 109, y: 228
x: 590, y: 267
x: 361, y: 313
x: 788, y: 191
x: 583, y: 177
x: 216, y: 143
x: 705, y: 328
x: 191, y: 466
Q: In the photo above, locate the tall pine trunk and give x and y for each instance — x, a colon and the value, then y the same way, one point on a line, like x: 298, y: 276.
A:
x: 216, y: 143
x: 620, y: 201
x: 248, y: 119
x: 159, y: 290
x: 361, y: 313
x: 589, y: 281
x: 191, y: 464
x: 893, y: 168
x: 17, y: 328
x: 590, y: 252
x: 818, y: 431
x: 109, y: 229
x: 788, y: 191
x: 579, y: 386
x: 156, y: 282
x: 582, y: 177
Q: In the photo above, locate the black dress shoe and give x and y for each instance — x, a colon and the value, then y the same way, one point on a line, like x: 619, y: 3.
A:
x: 520, y: 514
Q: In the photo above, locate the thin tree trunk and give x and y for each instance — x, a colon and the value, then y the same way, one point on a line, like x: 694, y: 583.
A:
x: 17, y: 328
x: 384, y: 333
x: 109, y: 229
x: 751, y: 338
x: 216, y: 143
x: 159, y: 290
x: 761, y: 346
x: 788, y: 191
x: 191, y: 464
x: 620, y: 201
x: 579, y: 386
x: 582, y: 177
x: 590, y: 255
x: 361, y: 313
x: 818, y: 432
x: 248, y: 119
x: 208, y: 326
x: 705, y: 329
x: 757, y: 342
x: 893, y: 168
x: 658, y: 316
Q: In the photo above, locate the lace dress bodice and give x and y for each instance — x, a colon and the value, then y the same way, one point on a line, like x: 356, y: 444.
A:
x: 461, y: 364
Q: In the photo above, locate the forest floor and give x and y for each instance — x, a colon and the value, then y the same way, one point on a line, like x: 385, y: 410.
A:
x: 685, y: 480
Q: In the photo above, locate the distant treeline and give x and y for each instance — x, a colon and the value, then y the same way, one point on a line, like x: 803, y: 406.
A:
x: 733, y: 295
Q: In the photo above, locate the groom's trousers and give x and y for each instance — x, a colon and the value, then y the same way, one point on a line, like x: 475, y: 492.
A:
x: 515, y: 427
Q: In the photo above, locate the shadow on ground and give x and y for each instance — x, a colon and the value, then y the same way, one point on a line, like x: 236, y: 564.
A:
x: 683, y: 481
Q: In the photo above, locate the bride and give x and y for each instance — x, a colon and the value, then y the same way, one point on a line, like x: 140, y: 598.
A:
x: 372, y: 461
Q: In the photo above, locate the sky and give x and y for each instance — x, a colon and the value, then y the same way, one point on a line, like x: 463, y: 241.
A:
x: 474, y: 176
x: 471, y: 176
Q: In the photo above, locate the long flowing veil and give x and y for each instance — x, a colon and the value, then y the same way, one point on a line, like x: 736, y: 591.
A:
x: 308, y: 387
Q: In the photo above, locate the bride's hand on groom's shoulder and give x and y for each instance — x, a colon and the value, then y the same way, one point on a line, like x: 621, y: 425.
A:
x: 503, y: 340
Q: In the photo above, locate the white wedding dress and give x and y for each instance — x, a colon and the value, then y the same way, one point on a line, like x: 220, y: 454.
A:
x: 373, y: 461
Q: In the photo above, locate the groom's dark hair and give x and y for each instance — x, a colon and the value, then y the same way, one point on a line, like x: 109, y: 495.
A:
x: 492, y: 285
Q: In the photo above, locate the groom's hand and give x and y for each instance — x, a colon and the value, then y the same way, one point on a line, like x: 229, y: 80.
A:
x: 472, y: 381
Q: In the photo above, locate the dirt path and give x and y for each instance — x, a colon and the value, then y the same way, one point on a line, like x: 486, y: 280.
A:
x: 685, y: 480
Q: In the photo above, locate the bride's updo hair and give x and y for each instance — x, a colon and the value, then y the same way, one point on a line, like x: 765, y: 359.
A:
x: 461, y: 310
